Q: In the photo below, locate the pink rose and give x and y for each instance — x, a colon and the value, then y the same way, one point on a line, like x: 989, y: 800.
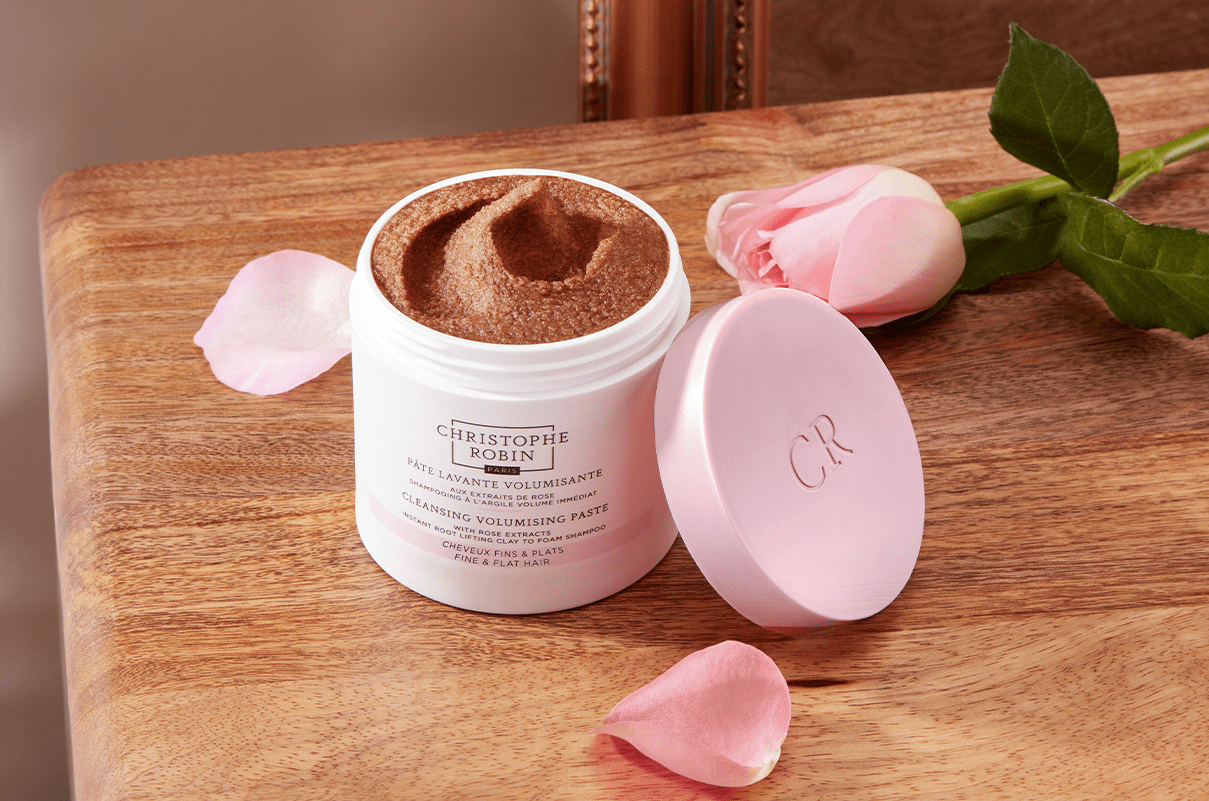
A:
x: 876, y: 243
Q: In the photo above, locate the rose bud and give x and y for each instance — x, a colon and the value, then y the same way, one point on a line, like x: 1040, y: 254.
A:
x: 876, y: 243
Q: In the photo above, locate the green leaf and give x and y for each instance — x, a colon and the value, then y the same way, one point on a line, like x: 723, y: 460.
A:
x: 1151, y: 276
x: 1018, y: 240
x: 1048, y: 112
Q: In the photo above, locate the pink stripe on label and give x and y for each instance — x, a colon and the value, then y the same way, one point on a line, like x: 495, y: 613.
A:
x: 558, y: 553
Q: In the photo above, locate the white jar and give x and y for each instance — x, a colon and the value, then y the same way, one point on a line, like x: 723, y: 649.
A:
x: 510, y: 478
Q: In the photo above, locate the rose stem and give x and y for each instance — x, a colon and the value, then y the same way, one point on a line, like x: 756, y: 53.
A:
x: 1133, y: 169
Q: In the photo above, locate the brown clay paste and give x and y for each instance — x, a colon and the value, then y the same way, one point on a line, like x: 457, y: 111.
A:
x: 520, y: 259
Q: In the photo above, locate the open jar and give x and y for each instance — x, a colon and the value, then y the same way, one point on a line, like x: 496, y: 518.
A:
x: 510, y: 478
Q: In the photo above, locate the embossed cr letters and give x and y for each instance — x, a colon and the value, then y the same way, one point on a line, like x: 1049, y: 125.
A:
x: 816, y: 454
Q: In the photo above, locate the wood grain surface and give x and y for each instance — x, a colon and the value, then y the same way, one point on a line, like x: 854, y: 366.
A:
x: 227, y: 636
x: 830, y: 49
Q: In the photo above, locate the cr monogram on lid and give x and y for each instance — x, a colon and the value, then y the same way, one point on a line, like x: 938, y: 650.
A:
x: 816, y: 454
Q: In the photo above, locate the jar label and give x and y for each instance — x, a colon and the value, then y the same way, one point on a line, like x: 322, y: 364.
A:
x: 507, y: 548
x: 507, y: 485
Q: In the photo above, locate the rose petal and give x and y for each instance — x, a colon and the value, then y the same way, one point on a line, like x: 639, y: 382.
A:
x: 891, y: 181
x: 283, y: 320
x: 712, y: 222
x: 832, y: 185
x: 735, y: 213
x: 900, y: 255
x: 873, y: 320
x: 807, y: 249
x: 718, y: 716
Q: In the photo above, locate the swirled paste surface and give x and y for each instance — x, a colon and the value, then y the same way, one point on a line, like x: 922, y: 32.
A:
x: 520, y: 259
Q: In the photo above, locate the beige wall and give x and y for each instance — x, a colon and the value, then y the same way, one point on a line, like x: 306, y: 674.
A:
x: 85, y: 82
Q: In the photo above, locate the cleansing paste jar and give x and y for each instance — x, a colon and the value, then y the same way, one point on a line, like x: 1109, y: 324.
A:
x: 508, y: 330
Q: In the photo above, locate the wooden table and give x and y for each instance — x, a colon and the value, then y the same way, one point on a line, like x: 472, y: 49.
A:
x: 227, y: 636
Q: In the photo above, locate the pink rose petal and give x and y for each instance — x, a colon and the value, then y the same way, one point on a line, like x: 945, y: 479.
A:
x: 899, y: 253
x: 806, y: 249
x: 283, y: 320
x: 832, y: 186
x: 734, y: 213
x: 718, y: 716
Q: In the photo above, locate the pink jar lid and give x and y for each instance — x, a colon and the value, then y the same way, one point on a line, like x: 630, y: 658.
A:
x: 789, y: 461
